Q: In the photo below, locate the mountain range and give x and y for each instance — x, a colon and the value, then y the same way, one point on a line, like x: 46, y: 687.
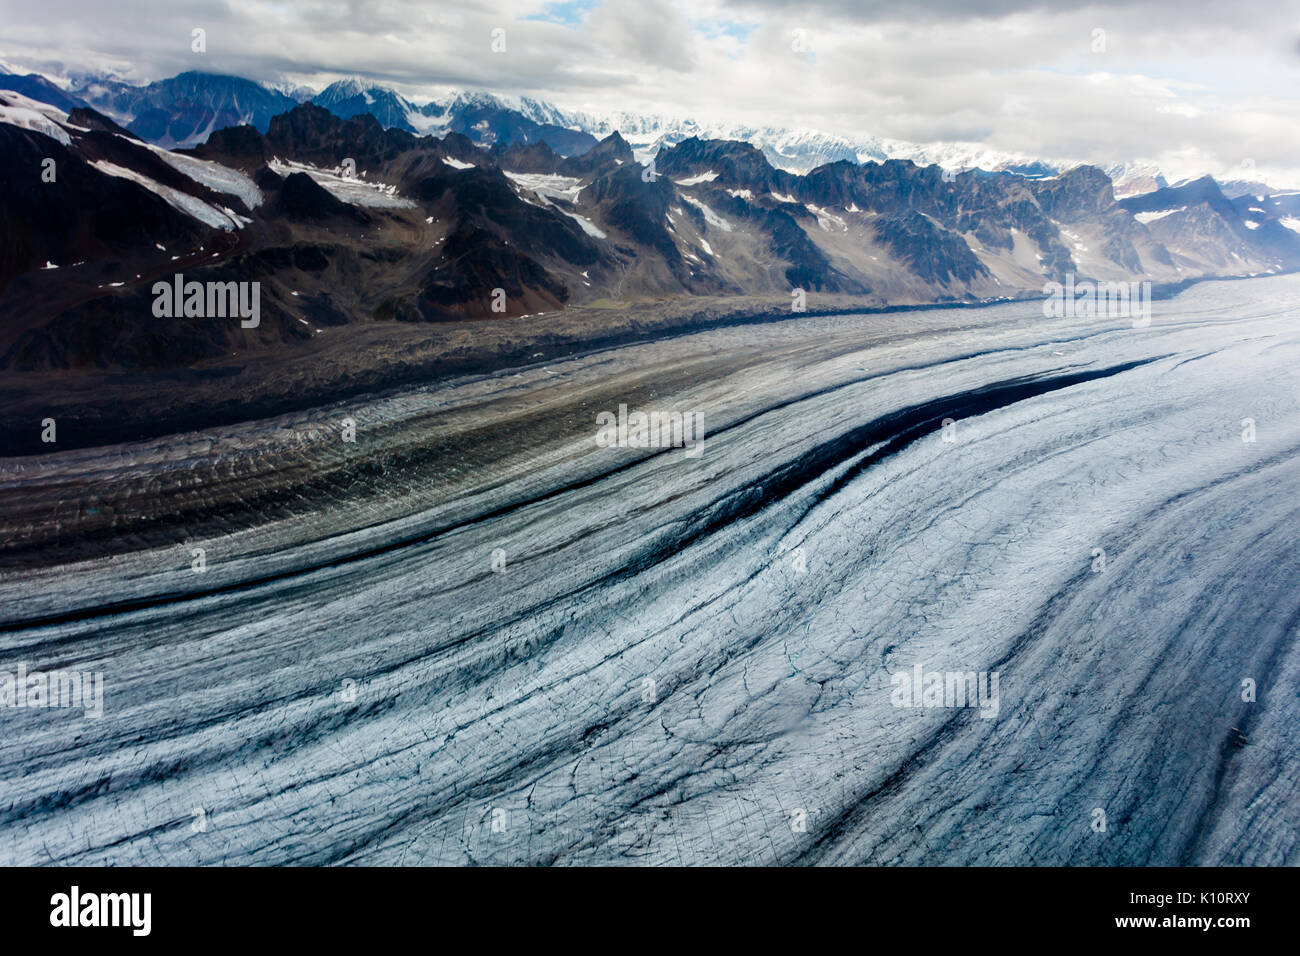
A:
x: 185, y: 109
x: 477, y: 209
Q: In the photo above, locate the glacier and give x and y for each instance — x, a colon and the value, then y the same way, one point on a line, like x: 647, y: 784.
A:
x: 482, y: 638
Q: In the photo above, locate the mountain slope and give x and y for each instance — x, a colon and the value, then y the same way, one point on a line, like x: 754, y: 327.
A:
x: 185, y: 109
x: 348, y: 98
x: 36, y: 87
x: 346, y: 223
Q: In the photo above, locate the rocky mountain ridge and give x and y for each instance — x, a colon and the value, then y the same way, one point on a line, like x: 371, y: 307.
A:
x: 343, y: 222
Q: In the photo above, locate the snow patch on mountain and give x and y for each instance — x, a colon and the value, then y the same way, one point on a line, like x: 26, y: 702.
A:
x: 826, y: 219
x: 205, y: 213
x: 589, y: 227
x: 18, y: 110
x: 712, y: 218
x: 215, y: 176
x: 548, y: 185
x: 552, y: 187
x: 1146, y: 217
x: 349, y: 189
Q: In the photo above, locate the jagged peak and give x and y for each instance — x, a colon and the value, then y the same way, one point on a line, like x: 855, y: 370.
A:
x: 352, y: 86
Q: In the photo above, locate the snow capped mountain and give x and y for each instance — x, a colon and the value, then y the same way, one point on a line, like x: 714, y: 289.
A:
x: 1236, y: 188
x: 352, y: 97
x: 493, y: 118
x: 537, y: 111
x: 1135, y: 179
x: 186, y: 109
x: 797, y: 150
x: 295, y: 92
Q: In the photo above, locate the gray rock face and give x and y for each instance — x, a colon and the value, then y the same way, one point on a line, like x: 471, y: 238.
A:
x: 475, y: 635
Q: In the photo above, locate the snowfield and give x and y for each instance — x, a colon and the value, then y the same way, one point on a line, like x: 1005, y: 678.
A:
x: 551, y: 187
x: 546, y: 651
x: 1146, y: 217
x: 19, y: 110
x: 192, y: 206
x: 215, y: 176
x: 350, y: 189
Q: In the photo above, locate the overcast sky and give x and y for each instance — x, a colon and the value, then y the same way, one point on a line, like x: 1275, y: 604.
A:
x: 1194, y: 85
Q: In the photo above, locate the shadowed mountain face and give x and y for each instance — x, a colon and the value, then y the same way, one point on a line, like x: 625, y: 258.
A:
x: 86, y: 215
x: 493, y: 125
x: 348, y: 98
x: 1218, y: 232
x: 345, y: 222
x: 37, y: 87
x: 302, y: 199
x: 185, y: 109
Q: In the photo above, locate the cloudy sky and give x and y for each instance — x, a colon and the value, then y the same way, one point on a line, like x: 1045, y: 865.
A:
x: 1193, y: 85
